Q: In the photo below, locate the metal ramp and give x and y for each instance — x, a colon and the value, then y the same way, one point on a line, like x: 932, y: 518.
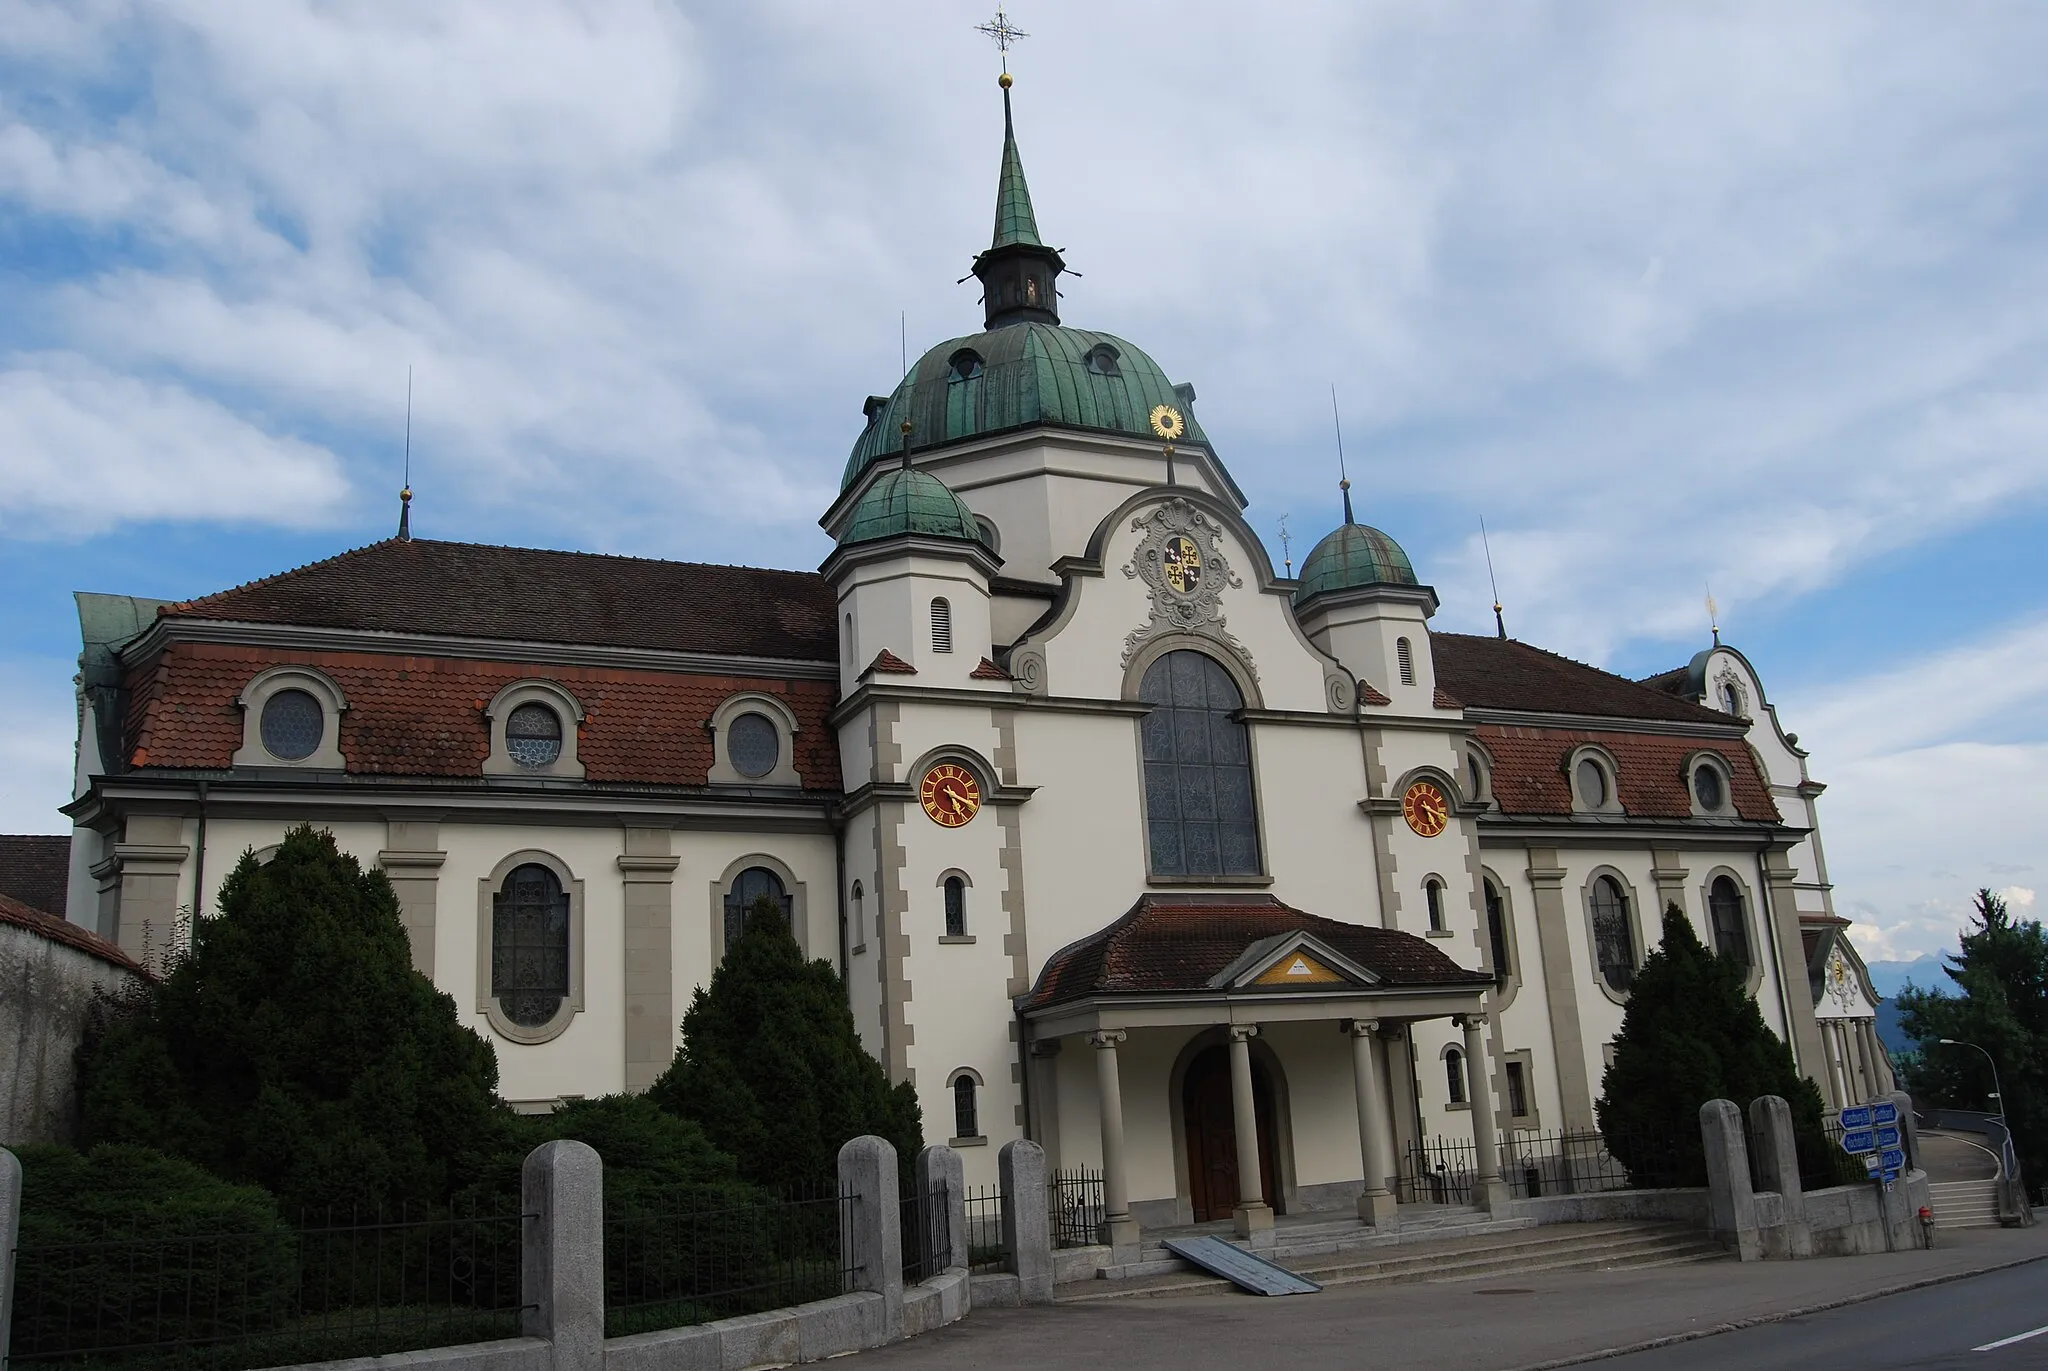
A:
x: 1234, y: 1264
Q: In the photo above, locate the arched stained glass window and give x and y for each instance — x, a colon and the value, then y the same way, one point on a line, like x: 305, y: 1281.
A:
x: 1497, y: 930
x: 1199, y: 812
x: 292, y: 723
x: 530, y: 945
x: 749, y: 886
x: 1613, y: 939
x: 956, y: 907
x: 533, y: 735
x: 1454, y: 1074
x: 966, y: 1118
x: 1731, y: 925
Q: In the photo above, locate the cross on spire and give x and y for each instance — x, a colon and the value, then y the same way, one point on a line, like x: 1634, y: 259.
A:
x: 1004, y: 33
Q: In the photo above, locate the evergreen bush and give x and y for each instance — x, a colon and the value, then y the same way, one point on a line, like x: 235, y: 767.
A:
x: 1692, y: 1033
x: 773, y: 1070
x: 296, y: 1048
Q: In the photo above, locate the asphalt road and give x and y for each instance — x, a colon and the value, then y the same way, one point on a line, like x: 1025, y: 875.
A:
x: 1951, y: 1325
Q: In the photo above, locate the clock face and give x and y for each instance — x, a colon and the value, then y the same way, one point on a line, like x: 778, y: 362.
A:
x: 950, y: 795
x: 1425, y: 809
x: 1183, y: 562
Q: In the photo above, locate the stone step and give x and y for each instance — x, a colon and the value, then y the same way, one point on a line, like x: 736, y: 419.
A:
x: 1551, y: 1247
x: 1964, y: 1204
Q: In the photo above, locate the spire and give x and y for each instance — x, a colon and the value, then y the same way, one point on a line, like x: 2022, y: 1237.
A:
x: 1018, y: 271
x: 1015, y: 223
x: 405, y: 515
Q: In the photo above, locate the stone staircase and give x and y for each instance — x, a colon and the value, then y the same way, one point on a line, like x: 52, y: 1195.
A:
x: 1455, y: 1245
x: 1964, y: 1204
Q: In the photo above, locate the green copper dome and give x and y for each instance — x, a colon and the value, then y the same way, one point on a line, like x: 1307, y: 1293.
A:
x: 909, y: 502
x: 1353, y: 556
x: 1016, y: 376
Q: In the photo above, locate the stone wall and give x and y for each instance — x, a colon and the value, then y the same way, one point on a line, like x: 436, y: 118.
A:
x: 49, y: 970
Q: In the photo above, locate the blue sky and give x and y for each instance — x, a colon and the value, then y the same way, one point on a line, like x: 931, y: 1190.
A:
x: 1741, y: 296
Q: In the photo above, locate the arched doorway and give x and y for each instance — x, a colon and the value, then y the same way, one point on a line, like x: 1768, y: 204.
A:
x: 1211, y: 1129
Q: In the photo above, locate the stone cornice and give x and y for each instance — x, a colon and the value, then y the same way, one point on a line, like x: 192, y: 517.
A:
x: 1499, y: 830
x: 1594, y: 723
x: 289, y: 637
x: 874, y: 693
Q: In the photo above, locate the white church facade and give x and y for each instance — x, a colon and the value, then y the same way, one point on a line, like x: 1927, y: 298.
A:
x: 1236, y: 887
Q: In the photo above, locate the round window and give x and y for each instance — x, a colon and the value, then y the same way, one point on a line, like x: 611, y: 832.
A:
x: 533, y: 735
x: 1706, y: 784
x: 1592, y: 783
x: 292, y: 724
x: 752, y: 745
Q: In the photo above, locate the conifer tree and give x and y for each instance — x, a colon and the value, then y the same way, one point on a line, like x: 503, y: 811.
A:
x: 1692, y: 1033
x: 295, y: 1046
x: 772, y: 1069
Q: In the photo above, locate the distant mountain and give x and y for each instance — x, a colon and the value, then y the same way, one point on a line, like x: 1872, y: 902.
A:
x: 1889, y: 1033
x: 1925, y: 971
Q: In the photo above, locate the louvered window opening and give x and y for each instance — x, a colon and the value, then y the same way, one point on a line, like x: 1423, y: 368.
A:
x: 1613, y: 942
x: 530, y: 946
x: 956, y: 907
x: 1200, y: 815
x: 751, y: 885
x: 1406, y: 654
x: 292, y: 723
x: 533, y: 735
x: 942, y: 626
x: 1731, y: 928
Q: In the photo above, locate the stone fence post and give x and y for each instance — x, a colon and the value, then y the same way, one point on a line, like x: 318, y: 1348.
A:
x: 562, y: 1253
x: 1777, y: 1163
x: 873, y: 1233
x: 939, y: 1167
x: 10, y: 1229
x: 1027, y: 1218
x: 1730, y: 1200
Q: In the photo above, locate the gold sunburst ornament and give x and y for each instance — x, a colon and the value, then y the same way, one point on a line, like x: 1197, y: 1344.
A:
x: 1167, y: 423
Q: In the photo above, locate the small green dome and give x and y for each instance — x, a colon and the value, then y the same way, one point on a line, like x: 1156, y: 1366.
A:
x: 1015, y: 376
x: 909, y: 502
x: 1353, y: 556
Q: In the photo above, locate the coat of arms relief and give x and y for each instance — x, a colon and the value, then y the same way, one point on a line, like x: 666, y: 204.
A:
x: 1181, y: 561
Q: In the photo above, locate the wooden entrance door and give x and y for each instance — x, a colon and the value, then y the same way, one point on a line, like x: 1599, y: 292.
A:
x: 1211, y: 1129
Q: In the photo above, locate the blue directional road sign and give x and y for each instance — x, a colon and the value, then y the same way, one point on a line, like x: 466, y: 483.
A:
x: 1860, y: 1116
x: 1887, y: 1137
x: 1884, y: 1112
x: 1893, y: 1159
x: 1859, y: 1140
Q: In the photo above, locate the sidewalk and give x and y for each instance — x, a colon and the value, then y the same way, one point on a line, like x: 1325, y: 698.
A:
x: 1500, y: 1323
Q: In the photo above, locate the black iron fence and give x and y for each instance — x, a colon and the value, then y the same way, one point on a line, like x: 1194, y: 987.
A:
x: 1075, y: 1199
x: 926, y: 1244
x: 342, y: 1285
x: 678, y: 1261
x: 986, y: 1249
x: 1537, y: 1163
x: 1822, y: 1162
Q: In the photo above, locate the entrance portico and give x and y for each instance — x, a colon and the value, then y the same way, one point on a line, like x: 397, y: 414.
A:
x: 1212, y: 1003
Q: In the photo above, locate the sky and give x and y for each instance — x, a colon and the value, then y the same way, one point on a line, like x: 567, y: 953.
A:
x: 1740, y: 299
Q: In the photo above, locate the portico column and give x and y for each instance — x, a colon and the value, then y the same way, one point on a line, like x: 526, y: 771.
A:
x: 1120, y: 1230
x: 1375, y: 1203
x: 1491, y: 1190
x: 1253, y: 1214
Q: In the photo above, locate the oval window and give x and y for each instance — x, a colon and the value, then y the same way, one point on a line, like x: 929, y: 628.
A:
x: 1592, y: 782
x: 292, y: 725
x: 533, y: 735
x: 752, y: 745
x: 1706, y: 784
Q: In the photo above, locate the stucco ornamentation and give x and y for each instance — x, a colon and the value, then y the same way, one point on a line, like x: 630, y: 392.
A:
x: 1727, y: 682
x: 1841, y: 985
x: 1187, y: 592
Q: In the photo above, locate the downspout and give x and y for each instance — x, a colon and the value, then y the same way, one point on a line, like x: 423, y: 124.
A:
x: 839, y: 863
x: 1763, y: 887
x: 199, y: 862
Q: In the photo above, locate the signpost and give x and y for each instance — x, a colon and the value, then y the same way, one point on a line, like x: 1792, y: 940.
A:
x: 1871, y: 1131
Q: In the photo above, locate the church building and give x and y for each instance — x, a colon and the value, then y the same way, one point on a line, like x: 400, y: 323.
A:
x: 1238, y: 888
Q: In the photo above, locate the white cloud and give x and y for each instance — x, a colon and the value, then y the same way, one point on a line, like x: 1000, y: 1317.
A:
x: 83, y: 449
x: 35, y: 749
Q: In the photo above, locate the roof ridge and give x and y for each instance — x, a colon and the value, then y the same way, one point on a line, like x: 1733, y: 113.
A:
x: 186, y: 606
x: 1584, y: 666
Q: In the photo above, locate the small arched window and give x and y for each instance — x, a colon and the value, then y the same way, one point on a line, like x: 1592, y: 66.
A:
x: 1731, y: 698
x: 530, y: 945
x: 1406, y: 654
x: 1433, y: 895
x: 1454, y: 1074
x: 1475, y: 777
x: 533, y: 735
x: 966, y: 364
x: 1200, y: 818
x: 1497, y: 930
x: 1102, y: 360
x: 956, y: 907
x: 942, y: 625
x: 858, y: 900
x: 749, y: 887
x: 1731, y: 925
x: 966, y: 1117
x: 1613, y: 937
x: 1707, y: 787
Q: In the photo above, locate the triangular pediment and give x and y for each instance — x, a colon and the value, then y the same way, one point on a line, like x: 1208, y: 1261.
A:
x: 1288, y: 960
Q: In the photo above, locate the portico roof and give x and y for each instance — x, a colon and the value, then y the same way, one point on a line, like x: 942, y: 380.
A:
x: 1215, y: 950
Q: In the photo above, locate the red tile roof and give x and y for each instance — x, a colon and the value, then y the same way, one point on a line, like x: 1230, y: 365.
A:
x: 35, y: 868
x: 1179, y: 943
x: 1529, y: 778
x: 1500, y: 673
x: 889, y: 664
x: 424, y: 716
x: 13, y: 911
x: 986, y: 670
x: 470, y: 590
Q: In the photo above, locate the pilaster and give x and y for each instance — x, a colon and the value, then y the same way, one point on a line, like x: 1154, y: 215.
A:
x: 1560, y: 989
x: 649, y: 874
x: 412, y: 859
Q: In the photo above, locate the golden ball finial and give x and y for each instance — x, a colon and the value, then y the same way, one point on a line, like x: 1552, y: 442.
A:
x: 1004, y: 80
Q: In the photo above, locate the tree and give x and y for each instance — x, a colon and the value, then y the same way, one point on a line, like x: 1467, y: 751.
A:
x: 295, y: 1046
x: 1692, y: 1033
x: 772, y: 1069
x: 2002, y: 972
